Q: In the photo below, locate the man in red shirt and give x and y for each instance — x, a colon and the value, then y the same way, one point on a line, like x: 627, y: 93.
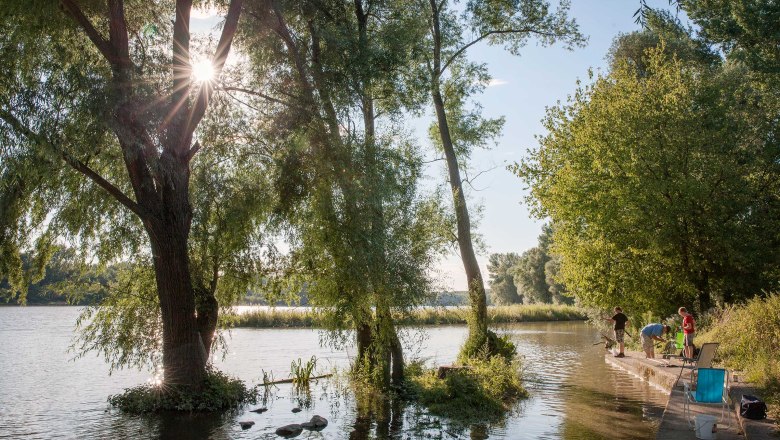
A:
x: 689, y: 329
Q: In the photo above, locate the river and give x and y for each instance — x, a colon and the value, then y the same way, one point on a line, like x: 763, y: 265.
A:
x: 46, y: 394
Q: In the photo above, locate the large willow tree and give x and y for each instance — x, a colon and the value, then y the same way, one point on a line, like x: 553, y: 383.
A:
x: 362, y: 236
x: 100, y: 96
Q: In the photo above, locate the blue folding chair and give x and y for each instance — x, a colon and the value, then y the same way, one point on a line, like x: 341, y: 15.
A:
x: 711, y: 388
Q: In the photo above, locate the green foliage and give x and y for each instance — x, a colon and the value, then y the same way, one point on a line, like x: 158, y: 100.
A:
x: 746, y: 29
x: 126, y: 327
x: 502, y: 284
x: 659, y: 192
x: 492, y: 345
x: 301, y: 373
x: 64, y: 280
x: 661, y: 26
x: 361, y: 233
x: 218, y: 392
x: 485, y: 390
x: 749, y: 337
x: 531, y: 278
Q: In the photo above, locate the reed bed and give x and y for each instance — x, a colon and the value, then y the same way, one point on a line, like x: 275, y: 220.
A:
x: 311, y: 318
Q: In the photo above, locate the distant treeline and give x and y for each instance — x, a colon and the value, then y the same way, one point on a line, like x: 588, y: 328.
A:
x: 64, y: 280
x: 61, y: 281
x: 530, y: 278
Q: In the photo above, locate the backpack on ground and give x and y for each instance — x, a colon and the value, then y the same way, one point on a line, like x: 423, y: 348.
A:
x: 752, y: 407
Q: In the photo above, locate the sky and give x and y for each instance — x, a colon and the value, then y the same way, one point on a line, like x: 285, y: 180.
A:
x: 522, y: 88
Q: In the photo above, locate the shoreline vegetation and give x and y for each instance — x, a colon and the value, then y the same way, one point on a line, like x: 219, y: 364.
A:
x: 311, y: 318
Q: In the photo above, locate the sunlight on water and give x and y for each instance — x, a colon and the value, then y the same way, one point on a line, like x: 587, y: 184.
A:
x: 574, y: 394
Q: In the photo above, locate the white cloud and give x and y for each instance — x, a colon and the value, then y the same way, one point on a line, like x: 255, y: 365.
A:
x: 497, y: 82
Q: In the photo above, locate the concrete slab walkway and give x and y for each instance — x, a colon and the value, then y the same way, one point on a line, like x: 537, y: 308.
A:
x: 674, y: 424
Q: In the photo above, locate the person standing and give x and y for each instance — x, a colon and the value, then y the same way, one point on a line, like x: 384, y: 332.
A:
x: 620, y: 320
x: 652, y: 332
x: 689, y: 330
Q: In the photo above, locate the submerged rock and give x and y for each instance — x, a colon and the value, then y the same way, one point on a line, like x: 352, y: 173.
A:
x: 296, y: 410
x: 317, y: 423
x: 259, y: 410
x: 288, y: 431
x: 247, y: 424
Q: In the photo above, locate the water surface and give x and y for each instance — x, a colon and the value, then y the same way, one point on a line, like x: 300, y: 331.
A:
x: 574, y: 394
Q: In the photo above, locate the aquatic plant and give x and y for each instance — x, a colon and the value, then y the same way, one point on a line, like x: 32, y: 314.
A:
x: 301, y: 373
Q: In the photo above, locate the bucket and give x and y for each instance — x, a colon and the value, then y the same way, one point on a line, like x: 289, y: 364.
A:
x: 706, y: 427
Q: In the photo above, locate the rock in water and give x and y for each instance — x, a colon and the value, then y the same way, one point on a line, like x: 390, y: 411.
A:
x: 319, y: 422
x: 259, y: 410
x: 296, y: 410
x: 309, y: 426
x: 246, y: 425
x: 289, y: 431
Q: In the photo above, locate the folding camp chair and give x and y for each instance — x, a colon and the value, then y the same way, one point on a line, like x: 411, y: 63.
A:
x: 709, y: 388
x: 702, y: 360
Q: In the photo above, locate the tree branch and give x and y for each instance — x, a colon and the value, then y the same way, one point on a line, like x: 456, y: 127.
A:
x: 218, y: 62
x: 260, y: 95
x: 487, y: 34
x: 117, y: 29
x: 181, y: 54
x: 76, y: 164
x: 103, y: 46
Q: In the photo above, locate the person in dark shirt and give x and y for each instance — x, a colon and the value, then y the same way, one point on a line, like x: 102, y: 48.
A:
x: 620, y: 320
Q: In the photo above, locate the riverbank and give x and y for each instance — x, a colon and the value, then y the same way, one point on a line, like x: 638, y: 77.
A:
x: 311, y: 318
x: 674, y: 425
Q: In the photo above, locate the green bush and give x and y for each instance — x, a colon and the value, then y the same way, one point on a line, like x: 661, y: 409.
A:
x: 219, y: 392
x: 749, y: 337
x: 485, y: 390
x: 493, y: 345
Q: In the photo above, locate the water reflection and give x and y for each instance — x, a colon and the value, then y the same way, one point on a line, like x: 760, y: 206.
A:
x: 194, y: 426
x: 383, y: 414
x: 574, y: 394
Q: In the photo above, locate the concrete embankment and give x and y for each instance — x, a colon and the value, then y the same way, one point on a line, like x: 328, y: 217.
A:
x: 674, y: 423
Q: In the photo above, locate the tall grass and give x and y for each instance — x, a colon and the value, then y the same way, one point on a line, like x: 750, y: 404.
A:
x: 310, y: 318
x: 749, y: 337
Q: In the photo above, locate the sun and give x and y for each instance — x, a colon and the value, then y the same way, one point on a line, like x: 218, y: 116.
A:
x: 203, y: 71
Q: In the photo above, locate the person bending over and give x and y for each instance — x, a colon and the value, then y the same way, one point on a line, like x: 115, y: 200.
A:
x: 620, y: 320
x: 650, y: 333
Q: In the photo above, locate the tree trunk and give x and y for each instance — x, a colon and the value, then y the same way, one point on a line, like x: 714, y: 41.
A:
x: 184, y: 354
x: 207, y: 309
x: 397, y: 355
x: 184, y: 360
x: 365, y: 338
x: 478, y: 318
